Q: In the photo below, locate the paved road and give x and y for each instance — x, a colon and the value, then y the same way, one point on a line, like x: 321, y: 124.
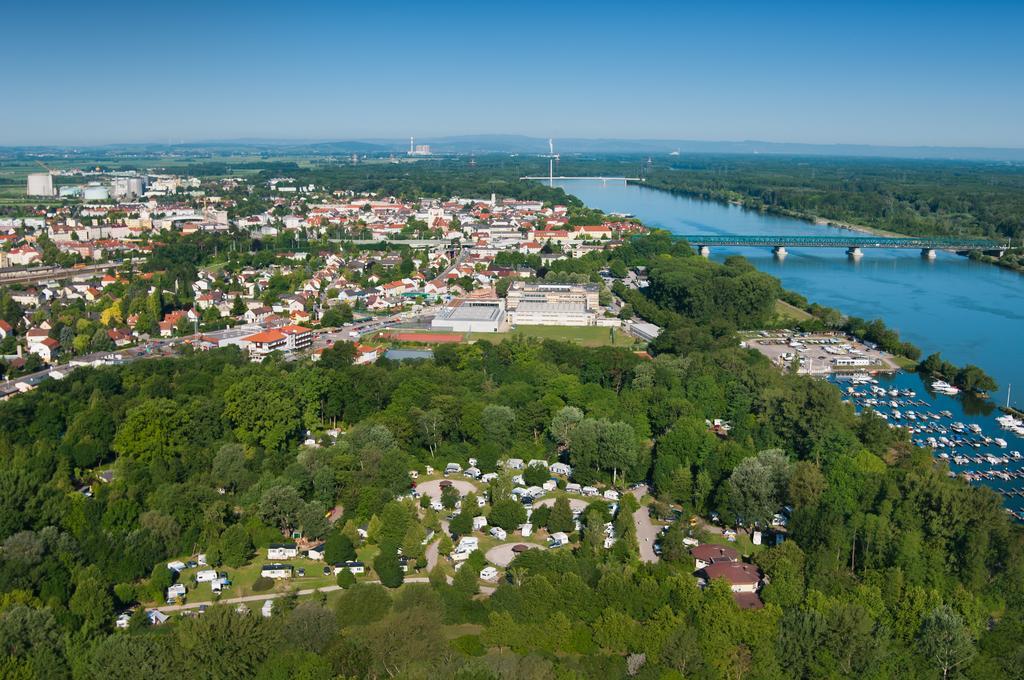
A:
x: 646, y: 532
x: 271, y: 596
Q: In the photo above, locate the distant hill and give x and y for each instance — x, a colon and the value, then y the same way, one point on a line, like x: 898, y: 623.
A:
x: 497, y: 143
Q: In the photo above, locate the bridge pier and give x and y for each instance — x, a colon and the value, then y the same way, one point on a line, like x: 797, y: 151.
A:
x: 928, y: 253
x: 704, y: 251
x: 854, y: 253
x: 780, y: 252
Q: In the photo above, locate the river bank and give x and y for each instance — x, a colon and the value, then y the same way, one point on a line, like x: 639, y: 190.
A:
x: 748, y: 203
x: 970, y: 311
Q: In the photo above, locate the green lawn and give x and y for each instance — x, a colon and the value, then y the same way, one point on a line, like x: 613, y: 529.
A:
x: 785, y: 310
x: 588, y: 336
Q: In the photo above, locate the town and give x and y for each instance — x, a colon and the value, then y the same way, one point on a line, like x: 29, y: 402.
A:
x: 370, y: 263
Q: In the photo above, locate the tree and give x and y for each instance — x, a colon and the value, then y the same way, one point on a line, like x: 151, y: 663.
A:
x: 280, y: 506
x: 497, y: 422
x: 560, y: 518
x: 235, y: 546
x: 262, y: 410
x: 92, y: 602
x: 338, y: 315
x: 346, y: 579
x: 806, y: 484
x: 507, y: 514
x: 237, y: 306
x: 461, y: 524
x: 757, y: 486
x: 310, y: 627
x: 945, y: 640
x: 449, y: 497
x: 338, y: 548
x: 388, y: 569
x: 234, y: 645
x: 563, y: 424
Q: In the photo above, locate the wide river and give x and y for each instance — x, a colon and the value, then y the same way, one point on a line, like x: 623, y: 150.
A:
x: 971, y: 312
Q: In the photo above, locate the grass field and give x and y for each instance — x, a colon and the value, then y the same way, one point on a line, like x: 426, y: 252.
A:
x: 788, y: 311
x: 588, y: 336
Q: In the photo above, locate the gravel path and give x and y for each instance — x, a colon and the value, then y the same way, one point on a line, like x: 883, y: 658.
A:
x: 270, y: 596
x: 433, y: 487
x: 646, y: 532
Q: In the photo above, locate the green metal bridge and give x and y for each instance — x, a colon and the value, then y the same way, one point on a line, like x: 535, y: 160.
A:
x: 853, y: 244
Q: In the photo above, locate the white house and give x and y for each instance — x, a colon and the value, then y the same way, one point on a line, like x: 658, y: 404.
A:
x: 479, y: 522
x: 573, y: 487
x: 276, y: 571
x: 205, y: 576
x: 175, y: 591
x: 526, y: 529
x: 558, y: 539
x: 589, y: 491
x: 489, y: 573
x: 499, y: 533
x: 549, y: 485
x: 267, y: 609
x: 316, y: 552
x: 560, y: 469
x: 514, y: 463
x: 123, y: 620
x: 282, y: 551
x: 611, y: 495
x: 176, y: 565
x: 352, y: 566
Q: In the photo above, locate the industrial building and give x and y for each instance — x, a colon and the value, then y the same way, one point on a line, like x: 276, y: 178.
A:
x: 485, y: 315
x: 553, y: 304
x: 128, y: 187
x: 553, y: 293
x: 40, y: 184
x: 552, y: 314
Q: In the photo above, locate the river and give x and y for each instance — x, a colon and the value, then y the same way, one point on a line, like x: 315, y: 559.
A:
x: 971, y: 312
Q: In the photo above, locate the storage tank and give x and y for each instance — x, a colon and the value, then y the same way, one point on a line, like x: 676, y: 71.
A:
x: 96, y: 192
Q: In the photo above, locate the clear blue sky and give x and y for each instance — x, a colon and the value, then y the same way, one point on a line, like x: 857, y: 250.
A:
x: 901, y: 73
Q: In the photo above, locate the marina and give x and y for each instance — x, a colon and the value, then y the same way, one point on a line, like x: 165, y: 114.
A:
x: 977, y: 442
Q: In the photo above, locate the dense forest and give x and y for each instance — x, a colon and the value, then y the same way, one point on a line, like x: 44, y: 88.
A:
x: 918, y: 197
x: 890, y: 569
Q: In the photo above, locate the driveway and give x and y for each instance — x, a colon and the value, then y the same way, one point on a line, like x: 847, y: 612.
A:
x: 575, y: 504
x: 270, y: 596
x: 646, y: 532
x: 433, y: 487
x: 502, y: 555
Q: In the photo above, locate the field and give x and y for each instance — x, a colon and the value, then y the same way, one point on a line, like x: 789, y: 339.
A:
x: 588, y: 336
x: 784, y: 310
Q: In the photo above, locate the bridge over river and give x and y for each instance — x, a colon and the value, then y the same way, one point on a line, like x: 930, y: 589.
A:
x: 854, y: 244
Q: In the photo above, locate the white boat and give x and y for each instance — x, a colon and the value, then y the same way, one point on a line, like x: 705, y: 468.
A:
x: 944, y: 387
x: 1000, y: 442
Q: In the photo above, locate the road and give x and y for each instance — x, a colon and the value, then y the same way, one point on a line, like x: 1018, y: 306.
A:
x: 269, y: 596
x: 646, y: 532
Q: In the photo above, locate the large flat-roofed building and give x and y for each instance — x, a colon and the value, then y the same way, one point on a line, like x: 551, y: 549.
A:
x: 40, y: 184
x: 471, y: 316
x: 553, y: 304
x: 552, y: 314
x: 553, y: 293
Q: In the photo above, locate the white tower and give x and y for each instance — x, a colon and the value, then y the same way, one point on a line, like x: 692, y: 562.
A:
x: 412, y: 148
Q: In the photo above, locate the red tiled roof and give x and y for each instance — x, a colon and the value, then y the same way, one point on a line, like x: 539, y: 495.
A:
x: 709, y: 552
x: 265, y: 337
x: 736, y: 573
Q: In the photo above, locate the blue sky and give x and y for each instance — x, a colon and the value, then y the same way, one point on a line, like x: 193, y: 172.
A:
x: 899, y: 73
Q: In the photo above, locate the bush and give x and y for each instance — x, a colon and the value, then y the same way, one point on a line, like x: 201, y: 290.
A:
x: 535, y: 475
x: 469, y: 645
x: 262, y: 584
x: 346, y: 579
